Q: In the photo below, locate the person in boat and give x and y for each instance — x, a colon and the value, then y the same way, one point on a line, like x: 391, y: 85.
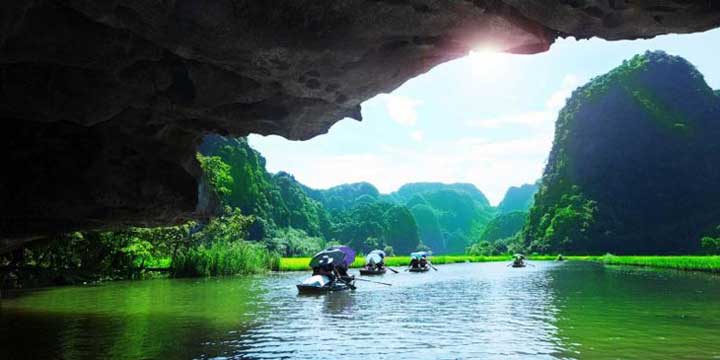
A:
x: 341, y: 272
x: 325, y: 269
x: 374, y: 265
x: 423, y: 263
x: 414, y: 263
x: 519, y: 261
x: 333, y: 272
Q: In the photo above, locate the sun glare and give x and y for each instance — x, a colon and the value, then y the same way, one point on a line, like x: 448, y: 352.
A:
x: 486, y: 61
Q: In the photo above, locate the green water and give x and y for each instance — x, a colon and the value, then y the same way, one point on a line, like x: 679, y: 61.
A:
x: 486, y: 310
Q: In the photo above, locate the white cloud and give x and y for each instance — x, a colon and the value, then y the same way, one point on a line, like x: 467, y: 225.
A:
x: 531, y: 118
x: 417, y: 135
x: 558, y: 98
x: 402, y: 109
x: 492, y: 162
x: 491, y: 165
x: 539, y: 118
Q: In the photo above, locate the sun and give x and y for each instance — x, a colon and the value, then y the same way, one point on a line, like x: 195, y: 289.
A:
x: 487, y: 62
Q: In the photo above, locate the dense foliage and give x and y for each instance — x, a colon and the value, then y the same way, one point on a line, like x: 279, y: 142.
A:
x: 449, y: 216
x: 504, y: 226
x: 406, y: 192
x: 518, y: 198
x: 239, y: 175
x: 293, y: 219
x: 633, y: 168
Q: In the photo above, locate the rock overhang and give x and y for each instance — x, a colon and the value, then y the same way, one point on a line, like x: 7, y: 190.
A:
x: 104, y: 103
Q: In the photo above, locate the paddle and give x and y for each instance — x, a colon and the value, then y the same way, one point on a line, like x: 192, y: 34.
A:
x: 376, y: 282
x: 351, y: 286
x: 337, y: 275
x: 434, y: 268
x: 391, y: 269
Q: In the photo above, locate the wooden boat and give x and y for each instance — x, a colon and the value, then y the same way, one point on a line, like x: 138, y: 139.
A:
x: 518, y: 261
x: 419, y: 269
x: 320, y: 284
x: 373, y: 272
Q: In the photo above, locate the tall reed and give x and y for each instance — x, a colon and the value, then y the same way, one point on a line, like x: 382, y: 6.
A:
x: 224, y: 258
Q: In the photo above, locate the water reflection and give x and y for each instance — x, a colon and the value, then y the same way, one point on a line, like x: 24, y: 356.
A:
x: 489, y: 311
x: 462, y: 311
x: 626, y: 312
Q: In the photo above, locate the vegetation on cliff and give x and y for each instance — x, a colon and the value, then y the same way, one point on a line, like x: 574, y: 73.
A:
x: 633, y: 164
x: 518, y: 198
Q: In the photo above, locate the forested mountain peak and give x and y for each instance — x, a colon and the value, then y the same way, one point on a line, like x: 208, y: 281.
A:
x: 518, y: 198
x: 407, y: 191
x: 633, y: 168
x: 345, y: 196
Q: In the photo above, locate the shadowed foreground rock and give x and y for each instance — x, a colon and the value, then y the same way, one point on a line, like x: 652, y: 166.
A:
x: 102, y: 103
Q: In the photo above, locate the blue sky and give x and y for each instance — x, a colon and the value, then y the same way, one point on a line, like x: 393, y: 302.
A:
x: 486, y: 119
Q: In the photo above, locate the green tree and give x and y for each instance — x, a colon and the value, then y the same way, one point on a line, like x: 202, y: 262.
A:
x: 402, y: 231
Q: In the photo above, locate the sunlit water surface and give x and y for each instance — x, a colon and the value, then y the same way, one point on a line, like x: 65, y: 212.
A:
x: 465, y: 311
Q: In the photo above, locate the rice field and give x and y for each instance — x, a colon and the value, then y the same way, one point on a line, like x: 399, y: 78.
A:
x: 301, y: 263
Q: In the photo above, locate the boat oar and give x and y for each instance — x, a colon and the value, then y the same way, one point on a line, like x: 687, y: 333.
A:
x: 351, y: 286
x: 434, y: 268
x: 337, y: 275
x: 393, y: 270
x: 376, y: 282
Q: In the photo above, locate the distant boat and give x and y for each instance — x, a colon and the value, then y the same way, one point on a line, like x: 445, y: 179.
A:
x: 374, y: 263
x: 373, y: 271
x: 419, y: 269
x: 518, y: 261
x: 419, y: 262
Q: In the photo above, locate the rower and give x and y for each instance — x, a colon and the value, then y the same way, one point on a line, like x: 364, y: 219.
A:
x: 423, y: 262
x: 325, y: 268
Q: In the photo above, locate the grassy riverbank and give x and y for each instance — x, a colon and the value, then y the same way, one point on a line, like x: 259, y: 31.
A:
x: 301, y: 263
x: 689, y: 263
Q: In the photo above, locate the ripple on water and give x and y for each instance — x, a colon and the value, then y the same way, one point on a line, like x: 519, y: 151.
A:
x: 462, y: 311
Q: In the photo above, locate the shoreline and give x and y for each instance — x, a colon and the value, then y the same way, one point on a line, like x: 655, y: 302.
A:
x: 698, y: 263
x: 302, y: 263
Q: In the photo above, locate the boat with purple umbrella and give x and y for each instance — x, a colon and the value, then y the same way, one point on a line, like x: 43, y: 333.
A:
x: 330, y: 271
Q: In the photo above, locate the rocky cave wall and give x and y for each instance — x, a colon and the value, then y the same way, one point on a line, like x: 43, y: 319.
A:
x: 102, y: 103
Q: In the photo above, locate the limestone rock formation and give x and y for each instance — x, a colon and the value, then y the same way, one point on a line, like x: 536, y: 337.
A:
x: 518, y: 198
x: 102, y: 103
x: 633, y: 168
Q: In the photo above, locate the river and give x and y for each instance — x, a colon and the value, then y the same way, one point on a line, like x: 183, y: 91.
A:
x: 465, y: 311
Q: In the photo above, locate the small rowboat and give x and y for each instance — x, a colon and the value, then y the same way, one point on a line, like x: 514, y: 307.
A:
x: 320, y: 284
x: 518, y: 265
x: 419, y: 269
x: 372, y: 272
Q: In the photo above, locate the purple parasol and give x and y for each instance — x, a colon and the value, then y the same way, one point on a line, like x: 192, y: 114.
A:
x: 349, y: 254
